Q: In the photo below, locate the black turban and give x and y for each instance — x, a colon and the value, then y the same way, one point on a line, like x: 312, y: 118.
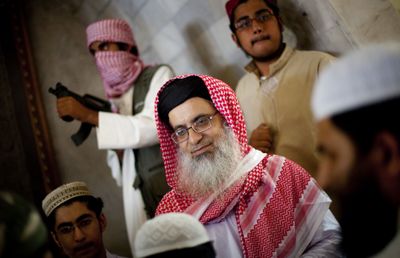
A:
x: 177, y: 92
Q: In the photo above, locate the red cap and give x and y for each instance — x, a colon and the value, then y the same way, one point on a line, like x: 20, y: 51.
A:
x: 232, y: 4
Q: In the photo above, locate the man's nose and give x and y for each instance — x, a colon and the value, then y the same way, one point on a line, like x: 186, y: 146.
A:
x: 79, y: 235
x: 194, y: 137
x: 256, y: 25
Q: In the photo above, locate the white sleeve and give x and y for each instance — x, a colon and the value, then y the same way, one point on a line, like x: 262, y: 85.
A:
x: 117, y: 131
x: 326, y: 240
x: 115, y: 166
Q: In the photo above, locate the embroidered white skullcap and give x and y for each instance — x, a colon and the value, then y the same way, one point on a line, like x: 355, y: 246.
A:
x: 62, y: 194
x: 169, y: 232
x: 361, y: 78
x: 111, y: 30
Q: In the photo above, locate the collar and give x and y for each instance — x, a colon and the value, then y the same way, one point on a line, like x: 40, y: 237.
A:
x: 274, y: 67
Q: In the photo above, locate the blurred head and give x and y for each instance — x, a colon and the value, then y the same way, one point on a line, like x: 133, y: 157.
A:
x: 173, y: 235
x: 256, y: 28
x: 75, y: 220
x: 22, y: 231
x: 359, y: 140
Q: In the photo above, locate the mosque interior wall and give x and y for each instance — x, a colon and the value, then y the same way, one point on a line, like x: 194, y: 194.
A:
x: 190, y: 35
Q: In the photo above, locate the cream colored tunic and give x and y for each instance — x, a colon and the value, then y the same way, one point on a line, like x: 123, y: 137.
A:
x: 282, y: 101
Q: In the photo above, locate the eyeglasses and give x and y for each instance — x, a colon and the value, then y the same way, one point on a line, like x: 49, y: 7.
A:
x: 246, y: 22
x: 69, y: 228
x: 201, y: 124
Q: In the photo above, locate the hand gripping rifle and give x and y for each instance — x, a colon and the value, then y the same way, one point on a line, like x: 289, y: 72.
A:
x: 88, y: 101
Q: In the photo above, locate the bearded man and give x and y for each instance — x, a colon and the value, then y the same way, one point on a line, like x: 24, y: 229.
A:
x: 354, y: 104
x: 275, y: 91
x: 252, y: 204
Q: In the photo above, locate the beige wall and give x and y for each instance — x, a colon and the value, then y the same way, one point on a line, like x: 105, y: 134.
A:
x: 190, y: 35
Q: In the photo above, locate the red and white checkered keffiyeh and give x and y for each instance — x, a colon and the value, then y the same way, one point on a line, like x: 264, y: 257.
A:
x: 274, y: 203
x: 110, y: 30
x: 118, y: 69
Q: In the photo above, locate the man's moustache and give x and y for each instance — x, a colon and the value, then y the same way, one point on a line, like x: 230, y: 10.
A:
x: 199, y: 146
x: 260, y: 38
x: 82, y: 246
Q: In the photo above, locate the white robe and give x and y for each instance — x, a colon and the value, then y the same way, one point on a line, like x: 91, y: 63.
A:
x: 127, y: 132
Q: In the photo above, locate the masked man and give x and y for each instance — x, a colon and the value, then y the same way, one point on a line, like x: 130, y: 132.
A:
x: 131, y: 87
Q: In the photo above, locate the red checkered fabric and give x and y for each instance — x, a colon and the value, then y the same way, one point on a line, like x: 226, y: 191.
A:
x: 118, y: 69
x: 110, y: 30
x: 271, y: 202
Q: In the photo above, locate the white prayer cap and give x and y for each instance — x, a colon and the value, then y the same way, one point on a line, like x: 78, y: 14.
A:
x: 169, y: 232
x: 366, y: 76
x: 62, y: 194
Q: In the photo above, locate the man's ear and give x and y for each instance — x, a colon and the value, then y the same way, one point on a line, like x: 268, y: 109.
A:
x: 386, y: 155
x: 55, y: 239
x: 103, y: 222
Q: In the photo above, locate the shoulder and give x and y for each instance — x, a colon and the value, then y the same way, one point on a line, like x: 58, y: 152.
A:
x: 169, y: 203
x: 157, y: 69
x: 315, y: 60
x: 163, y: 67
x: 160, y: 69
x: 313, y: 55
x: 163, y: 71
x: 283, y: 180
x: 160, y: 74
x: 280, y: 168
x: 245, y: 81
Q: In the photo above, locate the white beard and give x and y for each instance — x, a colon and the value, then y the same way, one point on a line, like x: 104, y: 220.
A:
x: 207, y: 173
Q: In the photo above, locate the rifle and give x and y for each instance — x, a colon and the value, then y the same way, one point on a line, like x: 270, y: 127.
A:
x: 88, y: 101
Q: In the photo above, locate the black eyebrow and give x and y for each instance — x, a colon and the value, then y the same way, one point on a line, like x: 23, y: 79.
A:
x: 80, y: 218
x: 264, y: 10
x: 65, y: 224
x: 83, y: 217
